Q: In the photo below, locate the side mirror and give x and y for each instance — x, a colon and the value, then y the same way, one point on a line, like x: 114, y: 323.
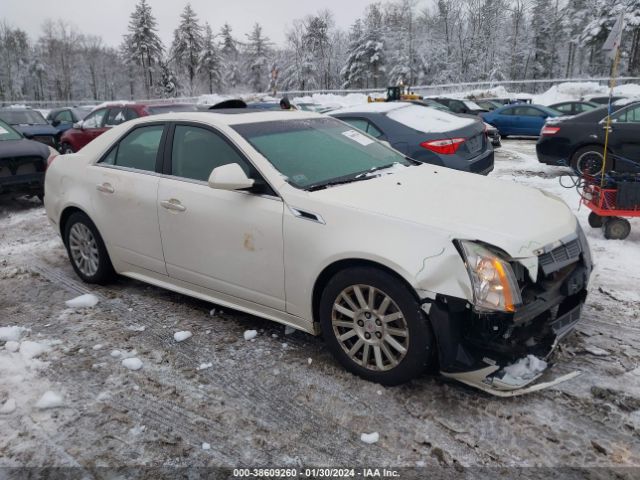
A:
x: 230, y: 177
x: 78, y: 125
x: 55, y: 123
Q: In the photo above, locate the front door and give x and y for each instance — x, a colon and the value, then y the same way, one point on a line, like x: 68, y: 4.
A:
x: 624, y: 135
x: 124, y: 199
x: 227, y: 241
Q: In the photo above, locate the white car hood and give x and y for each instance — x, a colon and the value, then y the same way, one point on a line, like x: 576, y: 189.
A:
x: 520, y: 220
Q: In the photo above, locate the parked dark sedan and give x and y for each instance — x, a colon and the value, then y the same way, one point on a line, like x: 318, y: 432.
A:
x: 22, y: 163
x: 425, y: 134
x: 62, y: 119
x: 31, y: 124
x: 574, y: 107
x: 579, y: 141
x: 460, y: 106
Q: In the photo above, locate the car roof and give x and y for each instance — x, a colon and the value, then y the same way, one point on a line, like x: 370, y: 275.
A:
x: 373, y: 107
x: 233, y: 116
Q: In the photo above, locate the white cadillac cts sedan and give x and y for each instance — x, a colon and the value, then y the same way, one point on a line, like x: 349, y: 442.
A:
x: 303, y: 220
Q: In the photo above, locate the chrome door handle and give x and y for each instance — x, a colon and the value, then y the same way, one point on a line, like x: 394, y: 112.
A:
x: 173, y: 204
x: 105, y: 188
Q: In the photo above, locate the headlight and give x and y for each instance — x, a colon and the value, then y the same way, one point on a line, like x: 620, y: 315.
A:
x: 495, y: 287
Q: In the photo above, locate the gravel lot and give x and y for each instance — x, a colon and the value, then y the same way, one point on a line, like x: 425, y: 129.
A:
x: 281, y: 400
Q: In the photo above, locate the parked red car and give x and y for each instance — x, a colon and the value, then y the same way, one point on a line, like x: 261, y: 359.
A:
x: 109, y: 115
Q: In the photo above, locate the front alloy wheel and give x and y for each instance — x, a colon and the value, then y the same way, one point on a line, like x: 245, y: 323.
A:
x: 373, y: 325
x: 370, y: 327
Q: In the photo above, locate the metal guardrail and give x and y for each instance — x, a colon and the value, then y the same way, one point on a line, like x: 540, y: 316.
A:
x: 519, y: 86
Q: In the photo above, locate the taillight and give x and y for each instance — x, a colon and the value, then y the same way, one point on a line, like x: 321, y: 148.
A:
x: 51, y: 158
x: 548, y: 130
x: 446, y: 146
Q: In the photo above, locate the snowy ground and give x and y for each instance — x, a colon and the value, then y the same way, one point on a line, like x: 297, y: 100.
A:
x: 74, y: 394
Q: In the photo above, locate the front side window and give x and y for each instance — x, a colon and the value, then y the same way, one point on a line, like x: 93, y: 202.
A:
x: 138, y: 150
x: 508, y: 111
x: 197, y: 151
x: 630, y: 115
x: 313, y: 153
x: 94, y: 119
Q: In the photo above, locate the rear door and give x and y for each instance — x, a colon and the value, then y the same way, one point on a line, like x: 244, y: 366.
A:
x: 125, y: 198
x: 529, y: 120
x: 504, y: 121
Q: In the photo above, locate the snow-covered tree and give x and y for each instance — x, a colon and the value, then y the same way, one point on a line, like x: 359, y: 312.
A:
x: 187, y: 45
x: 257, y: 59
x: 168, y: 80
x: 210, y: 63
x: 373, y: 46
x: 142, y: 45
x: 355, y: 69
x: 232, y: 76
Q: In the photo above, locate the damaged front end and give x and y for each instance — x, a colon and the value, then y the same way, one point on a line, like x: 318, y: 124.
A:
x: 504, y: 351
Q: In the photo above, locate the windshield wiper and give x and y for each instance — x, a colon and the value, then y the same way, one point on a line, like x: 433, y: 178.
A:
x: 321, y: 186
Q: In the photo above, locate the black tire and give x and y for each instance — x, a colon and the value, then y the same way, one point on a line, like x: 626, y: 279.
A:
x: 66, y: 148
x: 105, y: 271
x: 589, y: 160
x: 595, y: 220
x: 503, y: 135
x: 616, y: 228
x: 419, y: 342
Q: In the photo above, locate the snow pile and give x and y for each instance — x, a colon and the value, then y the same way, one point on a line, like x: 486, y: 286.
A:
x: 132, y: 363
x: 8, y: 407
x: 569, y: 91
x: 136, y: 328
x: 181, y: 336
x: 627, y: 90
x: 87, y: 300
x: 250, y: 334
x: 30, y: 350
x: 50, y: 399
x: 526, y: 368
x: 331, y: 100
x: 11, y: 334
x: 370, y: 438
x: 204, y: 366
x: 206, y: 446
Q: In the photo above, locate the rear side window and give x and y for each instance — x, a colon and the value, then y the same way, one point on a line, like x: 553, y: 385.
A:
x: 197, y: 151
x: 364, y: 125
x: 507, y: 111
x: 564, y: 108
x: 64, y: 117
x: 115, y: 117
x: 138, y: 150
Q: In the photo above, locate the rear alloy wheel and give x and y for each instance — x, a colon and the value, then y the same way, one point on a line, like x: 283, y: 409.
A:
x: 590, y: 159
x: 87, y: 252
x: 616, y: 228
x: 595, y: 220
x: 66, y: 149
x: 374, y: 326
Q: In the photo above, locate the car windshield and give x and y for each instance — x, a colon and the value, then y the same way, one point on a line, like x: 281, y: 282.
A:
x: 22, y: 117
x: 8, y: 133
x: 317, y: 152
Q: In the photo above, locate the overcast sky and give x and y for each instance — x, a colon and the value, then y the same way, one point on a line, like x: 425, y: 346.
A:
x: 109, y: 18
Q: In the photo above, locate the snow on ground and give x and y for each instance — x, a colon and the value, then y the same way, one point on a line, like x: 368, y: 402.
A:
x: 83, y: 301
x: 263, y: 404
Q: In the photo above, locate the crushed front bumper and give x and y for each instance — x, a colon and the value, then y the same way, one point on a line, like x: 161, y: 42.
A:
x: 475, y: 348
